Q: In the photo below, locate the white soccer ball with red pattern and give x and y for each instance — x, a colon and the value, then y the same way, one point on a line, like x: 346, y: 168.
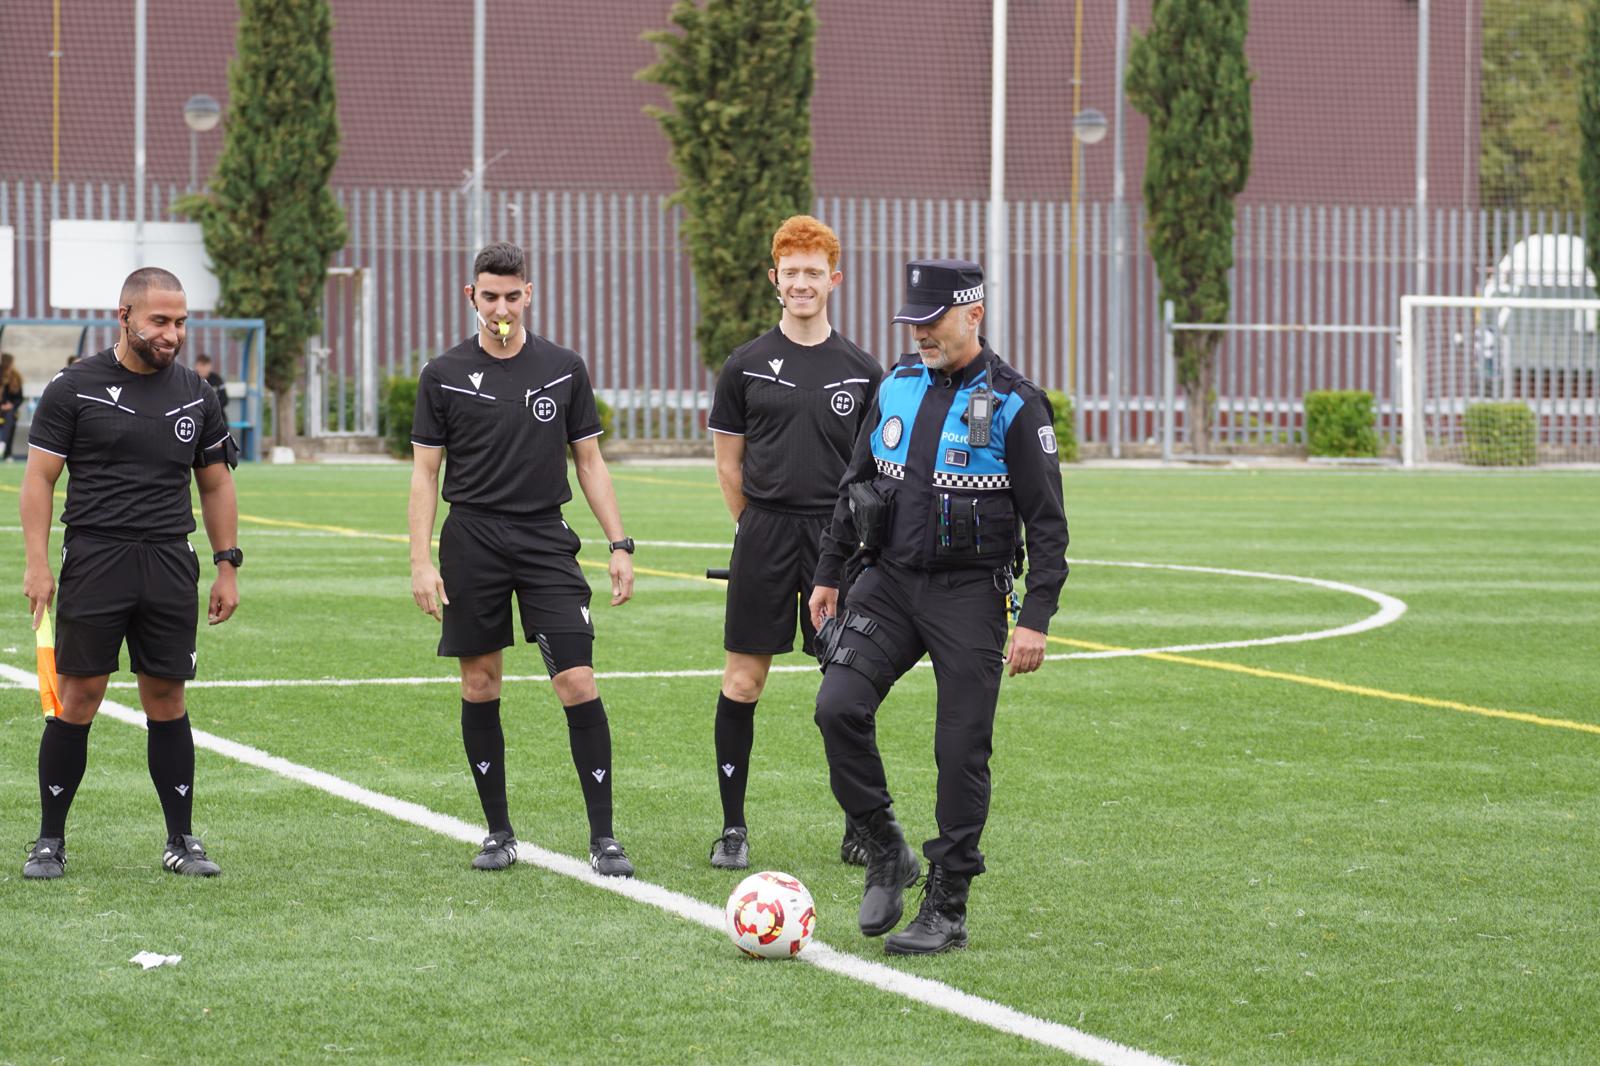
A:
x: 770, y: 916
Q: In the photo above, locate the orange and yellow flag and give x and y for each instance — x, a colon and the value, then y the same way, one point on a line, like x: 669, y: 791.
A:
x: 49, y: 687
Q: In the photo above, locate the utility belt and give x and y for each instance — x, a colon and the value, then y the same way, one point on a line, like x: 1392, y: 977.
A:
x: 969, y: 531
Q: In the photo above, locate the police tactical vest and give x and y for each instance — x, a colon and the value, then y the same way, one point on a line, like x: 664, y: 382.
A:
x: 952, y: 506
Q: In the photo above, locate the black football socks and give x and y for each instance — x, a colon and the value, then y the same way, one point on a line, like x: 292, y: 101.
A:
x: 735, y: 733
x: 590, y: 735
x: 169, y: 747
x: 485, y: 742
x: 63, y: 754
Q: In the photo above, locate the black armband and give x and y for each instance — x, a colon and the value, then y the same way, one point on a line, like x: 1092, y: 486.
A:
x: 226, y: 450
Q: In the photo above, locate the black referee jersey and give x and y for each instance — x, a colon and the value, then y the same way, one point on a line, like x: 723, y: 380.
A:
x: 505, y: 424
x: 130, y: 441
x: 799, y: 409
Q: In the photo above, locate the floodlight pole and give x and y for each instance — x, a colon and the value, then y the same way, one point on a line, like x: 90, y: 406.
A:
x: 140, y: 10
x: 1421, y: 287
x: 1118, y: 282
x: 479, y: 37
x: 998, y: 241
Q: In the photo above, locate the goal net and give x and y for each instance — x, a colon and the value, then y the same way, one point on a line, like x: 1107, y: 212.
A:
x: 1500, y: 380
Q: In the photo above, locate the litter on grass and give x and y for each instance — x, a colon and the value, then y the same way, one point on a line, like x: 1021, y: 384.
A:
x: 149, y: 959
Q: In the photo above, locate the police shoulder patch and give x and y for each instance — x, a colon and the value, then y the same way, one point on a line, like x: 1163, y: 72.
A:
x: 1047, y: 439
x: 892, y: 432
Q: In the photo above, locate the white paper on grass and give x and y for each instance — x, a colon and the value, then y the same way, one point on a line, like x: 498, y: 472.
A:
x: 149, y: 959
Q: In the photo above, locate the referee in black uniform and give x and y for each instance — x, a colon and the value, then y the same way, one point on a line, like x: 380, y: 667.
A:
x: 959, y: 455
x: 787, y: 409
x: 507, y: 405
x: 129, y: 425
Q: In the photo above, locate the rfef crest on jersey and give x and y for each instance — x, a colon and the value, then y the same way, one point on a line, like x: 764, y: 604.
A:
x: 184, y: 428
x: 544, y: 408
x: 843, y: 403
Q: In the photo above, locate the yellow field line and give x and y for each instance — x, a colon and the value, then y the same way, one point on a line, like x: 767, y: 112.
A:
x: 1185, y: 660
x: 642, y: 480
x: 653, y: 573
x: 1352, y: 690
x: 404, y: 539
x: 289, y: 523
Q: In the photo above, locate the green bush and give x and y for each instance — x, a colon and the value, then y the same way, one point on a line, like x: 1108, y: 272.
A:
x: 396, y: 406
x: 1501, y: 434
x: 1066, y: 434
x: 1341, y: 424
x: 607, y: 419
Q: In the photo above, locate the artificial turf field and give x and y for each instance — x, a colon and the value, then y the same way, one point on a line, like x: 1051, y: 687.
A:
x: 1381, y: 847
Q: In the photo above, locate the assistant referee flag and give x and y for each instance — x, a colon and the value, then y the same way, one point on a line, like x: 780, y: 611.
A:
x: 49, y: 688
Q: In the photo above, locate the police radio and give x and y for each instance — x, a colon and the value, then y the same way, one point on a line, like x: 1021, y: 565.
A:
x: 980, y: 412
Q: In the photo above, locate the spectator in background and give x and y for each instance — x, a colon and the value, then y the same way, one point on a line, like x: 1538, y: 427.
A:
x: 208, y: 374
x: 11, y: 400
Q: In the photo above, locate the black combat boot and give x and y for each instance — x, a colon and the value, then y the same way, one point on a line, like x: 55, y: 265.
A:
x: 853, y: 848
x: 941, y: 923
x: 891, y: 867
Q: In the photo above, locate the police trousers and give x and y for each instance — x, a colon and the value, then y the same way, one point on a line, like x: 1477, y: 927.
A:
x: 958, y: 618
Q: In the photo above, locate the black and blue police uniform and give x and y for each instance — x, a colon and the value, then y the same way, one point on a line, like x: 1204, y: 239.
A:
x: 940, y: 583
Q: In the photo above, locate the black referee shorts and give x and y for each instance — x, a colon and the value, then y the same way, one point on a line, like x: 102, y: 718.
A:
x: 116, y: 590
x: 483, y: 559
x: 769, y: 581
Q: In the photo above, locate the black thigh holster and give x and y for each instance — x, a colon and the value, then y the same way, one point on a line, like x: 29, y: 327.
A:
x: 830, y: 650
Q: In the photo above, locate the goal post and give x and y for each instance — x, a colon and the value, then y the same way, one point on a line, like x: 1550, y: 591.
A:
x: 1499, y: 380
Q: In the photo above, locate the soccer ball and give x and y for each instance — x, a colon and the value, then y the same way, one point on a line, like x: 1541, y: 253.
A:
x: 770, y: 916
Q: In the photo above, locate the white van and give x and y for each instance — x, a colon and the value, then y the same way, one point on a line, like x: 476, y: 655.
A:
x: 1543, y: 266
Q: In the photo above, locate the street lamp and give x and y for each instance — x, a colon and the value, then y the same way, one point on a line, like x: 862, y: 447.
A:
x: 200, y: 113
x: 1088, y: 127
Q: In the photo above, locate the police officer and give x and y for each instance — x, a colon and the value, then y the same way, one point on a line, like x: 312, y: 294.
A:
x: 507, y: 406
x: 132, y: 427
x: 788, y: 408
x: 959, y: 455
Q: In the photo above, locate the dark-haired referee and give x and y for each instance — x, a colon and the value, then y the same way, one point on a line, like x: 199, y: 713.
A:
x: 507, y: 405
x: 785, y: 415
x: 129, y: 425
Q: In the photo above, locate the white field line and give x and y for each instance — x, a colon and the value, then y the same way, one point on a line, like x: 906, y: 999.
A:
x: 1389, y: 609
x: 924, y: 990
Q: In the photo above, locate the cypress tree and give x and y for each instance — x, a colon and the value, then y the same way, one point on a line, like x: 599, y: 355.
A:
x: 270, y: 222
x: 738, y: 75
x: 1589, y: 131
x: 1188, y: 75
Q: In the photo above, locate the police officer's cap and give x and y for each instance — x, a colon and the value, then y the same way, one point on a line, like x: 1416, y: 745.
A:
x: 933, y: 286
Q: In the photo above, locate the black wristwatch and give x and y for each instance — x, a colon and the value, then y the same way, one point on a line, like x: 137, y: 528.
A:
x: 232, y: 555
x: 625, y: 544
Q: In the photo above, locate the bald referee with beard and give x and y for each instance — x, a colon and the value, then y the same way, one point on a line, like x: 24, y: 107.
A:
x: 129, y: 425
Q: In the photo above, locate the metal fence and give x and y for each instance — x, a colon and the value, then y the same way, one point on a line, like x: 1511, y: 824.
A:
x: 612, y: 280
